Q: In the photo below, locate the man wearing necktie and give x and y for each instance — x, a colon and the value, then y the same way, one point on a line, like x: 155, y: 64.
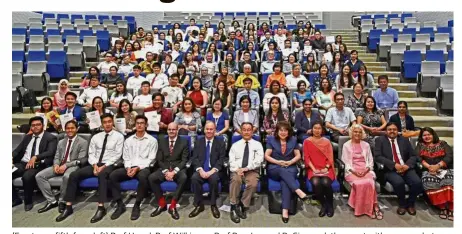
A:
x: 34, y: 153
x: 104, y: 150
x: 208, y: 157
x: 245, y: 158
x: 76, y: 110
x: 171, y: 160
x: 398, y: 157
x: 253, y: 95
x: 70, y: 151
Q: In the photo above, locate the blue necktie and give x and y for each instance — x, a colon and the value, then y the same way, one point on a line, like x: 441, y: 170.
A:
x: 207, y: 157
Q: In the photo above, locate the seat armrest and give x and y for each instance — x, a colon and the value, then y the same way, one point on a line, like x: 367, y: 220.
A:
x: 119, y: 163
x: 340, y: 164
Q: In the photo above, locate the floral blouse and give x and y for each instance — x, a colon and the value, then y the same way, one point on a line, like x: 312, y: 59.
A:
x: 270, y: 123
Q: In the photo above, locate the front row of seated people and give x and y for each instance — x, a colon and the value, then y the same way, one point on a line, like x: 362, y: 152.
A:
x: 110, y: 158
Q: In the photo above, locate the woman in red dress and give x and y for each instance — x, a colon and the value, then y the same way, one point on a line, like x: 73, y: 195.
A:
x: 319, y: 162
x: 198, y: 95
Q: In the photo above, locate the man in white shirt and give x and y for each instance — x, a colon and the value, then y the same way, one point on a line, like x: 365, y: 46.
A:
x: 145, y: 99
x: 177, y: 54
x: 107, y: 64
x: 280, y: 38
x: 135, y: 81
x: 192, y: 26
x: 127, y: 66
x: 296, y: 76
x: 210, y: 64
x: 168, y: 67
x: 340, y: 118
x: 173, y: 94
x: 86, y: 98
x: 267, y: 66
x: 105, y: 149
x: 157, y: 79
x: 253, y: 95
x: 245, y: 158
x: 138, y: 153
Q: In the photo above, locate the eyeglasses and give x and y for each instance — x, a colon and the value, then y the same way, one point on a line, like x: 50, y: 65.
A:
x: 36, y: 125
x: 339, y: 99
x: 172, y: 130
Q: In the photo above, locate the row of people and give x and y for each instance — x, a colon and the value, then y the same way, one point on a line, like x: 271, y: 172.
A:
x: 39, y: 157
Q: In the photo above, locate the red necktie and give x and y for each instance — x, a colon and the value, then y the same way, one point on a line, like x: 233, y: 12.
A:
x: 171, y: 148
x: 67, y: 152
x: 395, y: 153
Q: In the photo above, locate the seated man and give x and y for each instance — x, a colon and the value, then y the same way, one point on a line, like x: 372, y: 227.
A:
x: 105, y: 149
x: 247, y: 74
x: 385, y: 97
x: 166, y: 115
x: 208, y: 157
x: 245, y: 158
x: 71, y: 150
x: 318, y: 42
x: 107, y: 63
x: 206, y: 78
x: 157, y: 79
x: 135, y: 81
x: 171, y: 159
x: 71, y: 107
x: 339, y: 119
x: 398, y: 157
x: 27, y: 159
x: 354, y: 62
x: 139, y: 151
x: 173, y: 93
x: 145, y: 99
x: 254, y: 97
x: 267, y: 66
x: 211, y: 65
x: 86, y: 98
x: 168, y: 68
x: 146, y: 65
x: 247, y: 61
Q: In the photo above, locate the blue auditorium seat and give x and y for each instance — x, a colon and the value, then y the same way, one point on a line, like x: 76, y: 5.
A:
x: 451, y: 55
x: 275, y: 186
x: 19, y: 31
x: 91, y: 182
x: 320, y: 26
x: 390, y: 16
x: 62, y: 16
x: 240, y: 13
x: 251, y: 13
x: 411, y: 31
x: 437, y: 55
x: 102, y: 17
x: 57, y: 65
x: 104, y: 39
x: 129, y: 185
x: 76, y: 16
x: 36, y: 55
x: 84, y: 33
x: 412, y: 63
x: 89, y: 17
x: 428, y: 30
x: 51, y: 32
x: 446, y: 30
x: 229, y: 14
x: 131, y: 24
x: 69, y: 32
x: 264, y: 78
x: 366, y: 16
x: 18, y: 56
x: 263, y: 13
x: 394, y: 32
x: 47, y: 15
x: 275, y: 13
x: 35, y: 31
x: 405, y: 15
x: 451, y: 23
x: 335, y: 186
x: 116, y: 17
x: 374, y: 38
x: 218, y: 14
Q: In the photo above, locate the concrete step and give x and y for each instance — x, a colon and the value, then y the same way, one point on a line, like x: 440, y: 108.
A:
x: 444, y: 131
x: 403, y: 86
x: 18, y: 119
x: 89, y: 64
x: 75, y: 79
x: 356, y: 47
x: 390, y: 79
x: 388, y: 73
x: 407, y: 94
x: 430, y: 112
x: 368, y: 59
x: 420, y: 102
x: 374, y: 69
x: 433, y: 121
x: 374, y: 64
x: 77, y: 73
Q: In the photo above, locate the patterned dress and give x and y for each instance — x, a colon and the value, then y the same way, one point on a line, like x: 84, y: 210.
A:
x: 270, y: 123
x: 373, y: 120
x: 354, y: 102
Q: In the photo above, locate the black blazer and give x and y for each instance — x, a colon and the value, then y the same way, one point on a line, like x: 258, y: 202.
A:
x: 409, y: 122
x: 47, y: 148
x: 217, y: 154
x: 179, y: 157
x: 384, y: 155
x: 302, y: 124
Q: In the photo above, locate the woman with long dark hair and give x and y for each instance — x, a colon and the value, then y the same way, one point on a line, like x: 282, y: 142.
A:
x: 275, y: 114
x: 126, y: 112
x: 345, y: 79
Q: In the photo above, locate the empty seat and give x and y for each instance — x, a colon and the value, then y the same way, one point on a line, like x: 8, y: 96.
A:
x: 374, y: 38
x: 103, y: 39
x: 18, y: 55
x: 451, y: 55
x: 52, y: 32
x: 366, y: 22
x: 56, y: 46
x: 55, y: 39
x: 82, y: 27
x: 51, y: 26
x: 113, y: 30
x: 116, y: 18
x: 36, y: 38
x: 365, y: 29
x: 67, y: 27
x: 411, y: 63
x: 92, y: 22
x: 410, y: 31
x: 429, y: 31
x: 101, y: 18
x: 69, y: 32
x: 442, y: 37
x: 123, y: 27
x: 84, y: 33
x: 17, y: 46
x: 380, y: 21
x: 445, y: 96
x: 17, y: 66
x: 20, y: 25
x: 415, y: 25
x: 90, y: 17
x: 75, y: 17
x: 438, y: 46
x: 382, y: 27
x: 35, y: 25
x: 437, y: 55
x: 36, y: 77
x: 78, y: 22
x: 396, y: 54
x: 57, y: 66
x: 449, y: 67
x: 18, y: 39
x: 72, y: 40
x: 36, y: 46
x: 36, y: 56
x: 97, y: 27
x: 19, y: 31
x: 384, y: 45
x: 394, y: 21
x: 75, y: 55
x: 408, y: 20
x: 107, y: 22
x: 420, y: 46
x: 425, y: 38
x: 405, y: 38
x: 90, y: 47
x: 50, y: 21
x: 65, y: 21
x: 398, y: 26
x: 428, y: 80
x: 36, y: 31
x: 430, y: 24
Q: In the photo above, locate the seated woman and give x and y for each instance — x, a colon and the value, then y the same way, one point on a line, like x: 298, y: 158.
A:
x: 302, y: 93
x: 323, y: 74
x: 220, y: 118
x: 344, y: 79
x: 184, y: 78
x: 305, y: 119
x: 119, y: 94
x: 275, y: 91
x: 325, y: 97
x: 126, y: 112
x: 356, y: 99
x: 93, y: 71
x: 282, y: 153
x: 221, y: 92
x: 98, y: 105
x: 245, y: 114
x: 198, y: 95
x: 310, y: 65
x: 59, y: 99
x: 372, y: 120
x: 337, y: 63
x: 319, y: 162
x: 438, y: 178
x: 274, y: 115
x: 51, y: 115
x: 226, y: 77
x: 230, y: 63
x: 404, y: 121
x: 277, y: 75
x: 364, y: 78
x: 359, y: 166
x: 188, y: 120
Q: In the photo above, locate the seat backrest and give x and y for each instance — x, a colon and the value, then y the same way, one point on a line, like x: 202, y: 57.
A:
x: 438, y: 46
x: 36, y: 38
x: 89, y: 40
x: 51, y: 26
x: 365, y: 22
x: 57, y: 56
x: 430, y: 68
x: 427, y: 30
x: 394, y: 21
x: 381, y: 26
x: 18, y: 55
x: 435, y: 55
x: 415, y: 25
x: 412, y: 56
x: 101, y: 34
x: 53, y: 32
x: 451, y: 55
x: 67, y: 27
x: 72, y: 39
x: 430, y: 24
x: 36, y: 46
x: 447, y: 82
x: 65, y: 21
x: 393, y: 31
x: 80, y: 22
x: 35, y: 25
x: 380, y: 21
x: 17, y: 46
x: 113, y: 28
x: 92, y: 22
x: 398, y: 47
x: 408, y: 20
x: 450, y: 67
x: 108, y: 22
x: 55, y: 39
x: 375, y: 33
x: 84, y: 33
x: 422, y: 38
x: 97, y: 27
x: 420, y: 46
x: 50, y: 21
x: 16, y: 67
x: 82, y: 27
x: 442, y: 37
x: 367, y: 27
x: 16, y: 80
x: 20, y: 25
x: 341, y: 141
x: 444, y: 30
x: 36, y: 67
x: 405, y: 38
x: 122, y: 23
x: 19, y: 31
x: 75, y: 47
x: 386, y: 39
x: 18, y: 38
x: 37, y: 56
x: 398, y: 26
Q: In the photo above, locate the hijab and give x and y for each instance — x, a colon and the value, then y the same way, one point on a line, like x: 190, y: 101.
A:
x: 61, y: 94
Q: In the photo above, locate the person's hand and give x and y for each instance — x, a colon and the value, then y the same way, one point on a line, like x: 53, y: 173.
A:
x: 217, y: 134
x: 324, y: 170
x: 269, y: 131
x: 95, y: 170
x: 133, y: 171
x: 55, y: 169
x: 169, y: 175
x: 88, y: 105
x: 240, y: 172
x: 165, y: 94
x: 129, y: 171
x: 203, y: 174
x: 31, y: 163
x: 343, y: 131
x: 405, y: 168
x: 309, y: 132
x: 316, y: 171
x: 398, y: 167
x: 87, y: 121
x: 360, y: 173
x: 62, y: 169
x: 100, y: 169
x: 433, y: 168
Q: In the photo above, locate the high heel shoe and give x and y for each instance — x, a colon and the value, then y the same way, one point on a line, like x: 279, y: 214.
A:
x: 285, y: 220
x: 306, y: 200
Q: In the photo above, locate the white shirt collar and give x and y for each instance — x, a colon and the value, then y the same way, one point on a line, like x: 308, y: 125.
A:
x: 211, y: 141
x: 141, y: 138
x: 40, y: 135
x: 174, y: 139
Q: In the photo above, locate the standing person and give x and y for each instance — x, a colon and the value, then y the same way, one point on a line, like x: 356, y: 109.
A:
x: 245, y: 157
x: 27, y: 158
x: 138, y: 152
x: 70, y: 151
x: 171, y: 159
x: 208, y: 157
x: 105, y: 149
x: 396, y: 154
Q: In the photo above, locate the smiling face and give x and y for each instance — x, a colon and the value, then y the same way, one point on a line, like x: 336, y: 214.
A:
x: 46, y: 104
x: 370, y: 104
x: 245, y: 105
x: 36, y: 127
x: 317, y: 130
x: 427, y: 137
x: 296, y: 71
x: 392, y: 131
x: 346, y: 70
x: 357, y: 134
x: 187, y: 105
x: 275, y: 105
x: 71, y: 130
x: 125, y: 107
x: 70, y: 101
x: 98, y: 104
x: 196, y: 84
x: 217, y: 106
x: 402, y: 109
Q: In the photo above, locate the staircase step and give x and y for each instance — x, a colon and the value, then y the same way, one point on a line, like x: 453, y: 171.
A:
x: 356, y: 47
x: 420, y: 102
x: 77, y: 73
x: 393, y: 80
x: 388, y: 73
x: 75, y: 79
x: 89, y: 64
x: 407, y: 94
x: 376, y: 68
x: 18, y: 119
x: 403, y: 86
x: 374, y: 64
x: 433, y: 121
x: 444, y: 131
x: 423, y: 111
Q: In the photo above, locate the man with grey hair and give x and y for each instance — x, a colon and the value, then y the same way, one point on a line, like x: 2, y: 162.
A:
x: 296, y: 76
x: 210, y: 64
x: 247, y: 74
x: 206, y: 78
x: 267, y: 66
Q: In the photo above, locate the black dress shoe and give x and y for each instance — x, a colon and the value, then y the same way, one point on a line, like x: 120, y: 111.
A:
x: 197, y: 210
x: 135, y: 213
x: 61, y: 207
x: 100, y: 213
x: 401, y: 211
x: 48, y: 207
x: 68, y: 211
x: 306, y: 200
x: 17, y: 202
x: 330, y: 211
x: 158, y: 211
x: 28, y: 207
x: 118, y: 212
x: 243, y: 214
x: 234, y: 216
x: 285, y: 220
x: 322, y: 212
x: 215, y: 211
x: 174, y: 213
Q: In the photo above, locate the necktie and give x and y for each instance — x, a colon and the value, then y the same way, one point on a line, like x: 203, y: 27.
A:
x: 103, y: 149
x: 68, y: 111
x: 245, y: 160
x: 34, y: 146
x: 153, y: 79
x: 171, y: 148
x: 67, y: 152
x: 207, y: 157
x: 395, y: 153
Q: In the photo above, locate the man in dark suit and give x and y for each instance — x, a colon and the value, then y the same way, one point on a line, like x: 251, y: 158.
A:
x: 398, y: 157
x: 33, y: 154
x: 208, y: 157
x: 76, y: 110
x: 171, y: 159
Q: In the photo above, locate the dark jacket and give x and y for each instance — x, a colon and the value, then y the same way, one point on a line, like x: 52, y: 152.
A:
x: 302, y: 124
x: 47, y: 148
x: 179, y: 157
x: 384, y: 155
x: 77, y: 112
x: 409, y: 122
x: 217, y: 154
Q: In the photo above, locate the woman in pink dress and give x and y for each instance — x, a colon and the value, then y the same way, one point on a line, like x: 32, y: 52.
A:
x: 359, y: 165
